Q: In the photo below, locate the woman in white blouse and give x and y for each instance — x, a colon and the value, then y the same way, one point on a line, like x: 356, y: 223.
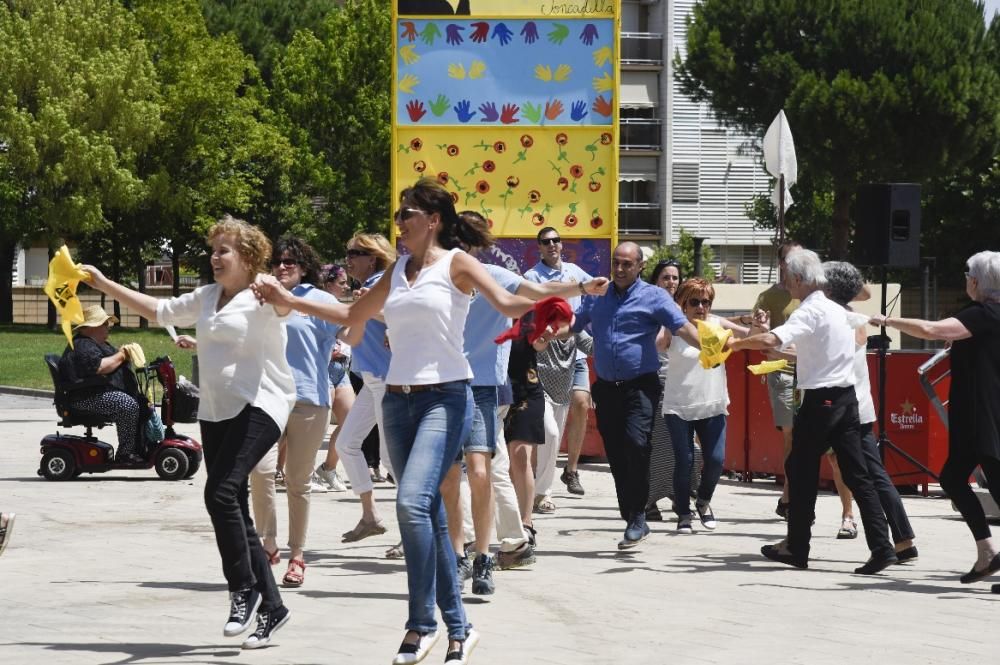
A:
x: 696, y: 400
x: 247, y: 392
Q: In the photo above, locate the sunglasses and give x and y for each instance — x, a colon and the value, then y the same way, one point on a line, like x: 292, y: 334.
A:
x: 358, y: 252
x: 550, y: 241
x: 704, y: 302
x: 406, y: 213
x: 287, y: 263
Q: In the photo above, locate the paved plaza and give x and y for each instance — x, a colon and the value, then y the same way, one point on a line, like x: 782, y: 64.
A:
x: 122, y: 568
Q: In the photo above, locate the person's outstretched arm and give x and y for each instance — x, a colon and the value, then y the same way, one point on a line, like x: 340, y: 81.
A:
x: 141, y: 303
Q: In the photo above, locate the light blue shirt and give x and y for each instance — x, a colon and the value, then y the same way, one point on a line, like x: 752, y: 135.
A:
x: 624, y: 326
x: 371, y: 355
x: 482, y: 325
x: 567, y: 272
x: 310, y: 343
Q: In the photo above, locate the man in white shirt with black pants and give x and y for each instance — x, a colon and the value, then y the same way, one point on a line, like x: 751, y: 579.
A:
x: 828, y: 416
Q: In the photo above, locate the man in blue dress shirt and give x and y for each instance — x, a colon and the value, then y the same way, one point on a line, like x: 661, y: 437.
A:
x: 624, y: 323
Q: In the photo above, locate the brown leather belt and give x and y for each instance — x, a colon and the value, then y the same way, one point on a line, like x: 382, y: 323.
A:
x: 417, y: 388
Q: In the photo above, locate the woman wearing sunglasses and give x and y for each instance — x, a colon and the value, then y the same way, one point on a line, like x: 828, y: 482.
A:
x: 696, y: 401
x: 428, y: 403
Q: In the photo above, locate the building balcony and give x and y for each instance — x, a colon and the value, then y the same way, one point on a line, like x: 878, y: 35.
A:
x: 640, y: 134
x: 639, y: 218
x: 642, y: 49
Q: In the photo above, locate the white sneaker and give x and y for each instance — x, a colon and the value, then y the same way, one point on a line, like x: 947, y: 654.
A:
x: 317, y: 486
x: 471, y: 640
x: 330, y: 478
x: 414, y: 653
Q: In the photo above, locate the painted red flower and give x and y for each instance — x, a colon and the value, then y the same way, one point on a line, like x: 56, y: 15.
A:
x: 570, y: 220
x: 452, y: 150
x: 482, y: 186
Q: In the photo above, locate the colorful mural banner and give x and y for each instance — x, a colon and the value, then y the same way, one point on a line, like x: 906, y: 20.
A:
x: 520, y: 179
x: 505, y: 72
x: 555, y: 8
x: 519, y: 254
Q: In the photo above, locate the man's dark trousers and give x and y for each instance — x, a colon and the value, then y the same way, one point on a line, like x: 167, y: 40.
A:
x: 625, y: 412
x: 828, y: 418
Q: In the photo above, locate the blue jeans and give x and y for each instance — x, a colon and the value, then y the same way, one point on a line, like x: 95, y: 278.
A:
x: 424, y: 432
x: 712, y: 436
x: 483, y: 436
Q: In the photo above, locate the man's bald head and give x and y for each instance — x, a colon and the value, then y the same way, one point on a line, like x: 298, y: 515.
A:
x: 626, y: 265
x: 633, y: 249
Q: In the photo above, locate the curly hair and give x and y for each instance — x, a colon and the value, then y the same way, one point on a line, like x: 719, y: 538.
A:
x: 843, y: 281
x: 302, y: 252
x: 430, y: 196
x: 376, y: 245
x: 252, y: 245
x: 478, y: 222
x: 693, y: 287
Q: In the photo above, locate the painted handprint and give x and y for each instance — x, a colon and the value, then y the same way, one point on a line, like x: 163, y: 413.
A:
x: 482, y: 32
x: 430, y: 33
x: 439, y: 106
x: 603, y: 107
x: 415, y: 109
x: 509, y: 114
x: 502, y: 34
x: 463, y: 112
x: 543, y: 72
x: 602, y: 56
x: 456, y: 70
x: 562, y: 72
x: 408, y: 55
x: 407, y: 83
x: 604, y: 83
x: 489, y: 111
x: 559, y: 33
x: 409, y: 31
x: 453, y: 34
x: 553, y: 109
x: 477, y: 69
x: 589, y: 34
x: 578, y: 111
x: 530, y: 32
x: 532, y: 112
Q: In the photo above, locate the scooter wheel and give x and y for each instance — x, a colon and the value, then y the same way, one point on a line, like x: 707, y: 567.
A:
x: 58, y: 465
x: 171, y: 464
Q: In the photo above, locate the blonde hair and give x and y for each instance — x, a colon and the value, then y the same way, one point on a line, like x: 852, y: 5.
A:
x: 376, y: 245
x: 251, y: 244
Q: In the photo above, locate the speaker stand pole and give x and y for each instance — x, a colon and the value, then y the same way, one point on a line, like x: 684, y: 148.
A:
x: 883, y: 440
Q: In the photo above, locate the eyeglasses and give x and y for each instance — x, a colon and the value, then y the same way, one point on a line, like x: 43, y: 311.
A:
x: 354, y: 253
x: 695, y: 302
x: 550, y: 241
x: 406, y: 213
x: 287, y: 263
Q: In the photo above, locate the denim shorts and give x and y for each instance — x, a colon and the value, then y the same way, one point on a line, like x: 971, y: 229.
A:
x: 338, y: 374
x: 581, y: 375
x: 483, y: 436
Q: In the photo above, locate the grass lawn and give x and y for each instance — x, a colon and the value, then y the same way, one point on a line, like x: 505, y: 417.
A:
x: 23, y: 349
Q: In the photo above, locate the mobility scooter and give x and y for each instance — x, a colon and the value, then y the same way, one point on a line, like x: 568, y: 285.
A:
x: 66, y: 456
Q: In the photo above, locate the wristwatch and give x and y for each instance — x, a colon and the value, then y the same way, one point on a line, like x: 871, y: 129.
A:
x: 583, y: 288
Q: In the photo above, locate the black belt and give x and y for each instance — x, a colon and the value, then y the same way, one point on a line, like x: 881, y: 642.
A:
x: 636, y: 380
x: 419, y: 388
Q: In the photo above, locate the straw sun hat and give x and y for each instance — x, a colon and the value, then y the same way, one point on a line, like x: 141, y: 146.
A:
x: 94, y: 316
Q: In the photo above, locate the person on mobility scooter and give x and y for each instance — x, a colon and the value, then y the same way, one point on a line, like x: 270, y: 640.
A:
x: 95, y: 385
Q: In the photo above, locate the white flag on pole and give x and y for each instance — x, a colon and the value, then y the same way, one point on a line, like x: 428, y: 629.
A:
x: 779, y: 157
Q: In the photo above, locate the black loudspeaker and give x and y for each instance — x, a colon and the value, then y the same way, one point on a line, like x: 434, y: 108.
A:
x: 887, y: 225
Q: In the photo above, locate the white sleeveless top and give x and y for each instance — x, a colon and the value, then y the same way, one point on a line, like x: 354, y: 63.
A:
x: 691, y: 391
x: 426, y: 324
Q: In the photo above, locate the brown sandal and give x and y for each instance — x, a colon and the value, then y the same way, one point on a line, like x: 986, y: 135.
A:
x: 273, y: 558
x: 294, y: 578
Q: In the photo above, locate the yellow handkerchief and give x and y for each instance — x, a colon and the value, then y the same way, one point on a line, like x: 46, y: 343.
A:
x: 64, y: 276
x: 713, y: 339
x: 135, y: 354
x: 768, y: 366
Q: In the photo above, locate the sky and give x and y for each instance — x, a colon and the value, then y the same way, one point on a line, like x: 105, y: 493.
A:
x: 992, y: 6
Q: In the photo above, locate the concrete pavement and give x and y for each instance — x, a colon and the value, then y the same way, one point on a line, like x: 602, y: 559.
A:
x: 122, y: 568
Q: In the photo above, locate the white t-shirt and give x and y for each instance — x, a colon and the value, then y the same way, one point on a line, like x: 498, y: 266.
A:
x: 862, y: 383
x: 691, y: 391
x: 241, y: 353
x: 824, y: 343
x: 426, y: 322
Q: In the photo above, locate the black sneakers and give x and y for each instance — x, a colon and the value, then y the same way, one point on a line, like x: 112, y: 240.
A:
x: 268, y: 624
x: 243, y: 607
x: 464, y: 569
x: 572, y: 481
x: 482, y: 575
x: 531, y: 533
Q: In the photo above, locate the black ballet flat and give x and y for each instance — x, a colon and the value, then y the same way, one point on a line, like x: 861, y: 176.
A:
x: 976, y: 575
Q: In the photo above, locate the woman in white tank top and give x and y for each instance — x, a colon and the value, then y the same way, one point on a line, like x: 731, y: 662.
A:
x: 427, y: 409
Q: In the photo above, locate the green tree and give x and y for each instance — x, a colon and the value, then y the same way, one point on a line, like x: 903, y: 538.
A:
x: 78, y: 104
x: 334, y: 91
x: 683, y: 252
x: 875, y: 90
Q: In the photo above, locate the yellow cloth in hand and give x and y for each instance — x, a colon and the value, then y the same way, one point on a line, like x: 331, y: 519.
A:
x: 64, y: 277
x: 713, y: 339
x: 135, y: 354
x: 768, y: 366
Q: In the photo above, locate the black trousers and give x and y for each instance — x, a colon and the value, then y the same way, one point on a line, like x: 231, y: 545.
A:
x: 962, y: 461
x: 888, y: 495
x: 828, y: 418
x: 625, y: 415
x: 232, y: 449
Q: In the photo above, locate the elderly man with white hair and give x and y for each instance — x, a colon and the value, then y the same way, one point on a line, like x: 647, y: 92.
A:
x: 828, y: 416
